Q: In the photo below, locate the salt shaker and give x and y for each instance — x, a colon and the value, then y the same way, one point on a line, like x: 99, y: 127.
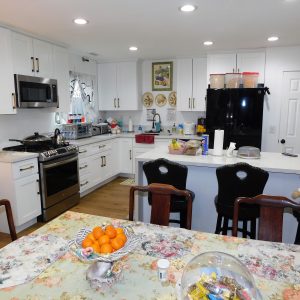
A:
x: 163, y: 265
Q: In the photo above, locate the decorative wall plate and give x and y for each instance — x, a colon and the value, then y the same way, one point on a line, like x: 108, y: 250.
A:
x: 148, y: 99
x: 172, y: 99
x: 160, y: 100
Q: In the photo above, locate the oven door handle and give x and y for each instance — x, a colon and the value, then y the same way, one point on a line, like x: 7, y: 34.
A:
x: 59, y: 163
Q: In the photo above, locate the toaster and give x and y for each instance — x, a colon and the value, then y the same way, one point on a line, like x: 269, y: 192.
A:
x: 101, y: 128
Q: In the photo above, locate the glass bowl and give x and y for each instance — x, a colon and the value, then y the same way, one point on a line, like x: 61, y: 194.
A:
x: 217, y: 275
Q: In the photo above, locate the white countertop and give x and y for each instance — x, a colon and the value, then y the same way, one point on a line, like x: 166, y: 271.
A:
x: 14, y: 156
x: 269, y: 161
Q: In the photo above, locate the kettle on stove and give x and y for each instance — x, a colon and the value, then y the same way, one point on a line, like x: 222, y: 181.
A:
x: 58, y: 137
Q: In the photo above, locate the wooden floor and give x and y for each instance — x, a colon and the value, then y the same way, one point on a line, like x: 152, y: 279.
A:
x: 110, y: 200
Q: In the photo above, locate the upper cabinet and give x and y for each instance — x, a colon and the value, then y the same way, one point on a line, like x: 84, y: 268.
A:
x: 191, y: 84
x: 31, y: 56
x: 237, y: 63
x: 118, y: 86
x: 7, y: 91
x: 82, y: 65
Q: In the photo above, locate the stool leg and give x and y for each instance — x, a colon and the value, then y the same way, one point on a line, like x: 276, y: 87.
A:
x: 253, y: 229
x: 183, y: 218
x: 218, y: 226
x: 245, y: 229
x: 225, y: 226
x: 297, y: 239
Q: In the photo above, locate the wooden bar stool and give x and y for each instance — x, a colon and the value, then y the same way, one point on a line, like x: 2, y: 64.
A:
x: 10, y: 219
x: 271, y: 215
x: 238, y: 180
x: 167, y: 172
x: 162, y: 202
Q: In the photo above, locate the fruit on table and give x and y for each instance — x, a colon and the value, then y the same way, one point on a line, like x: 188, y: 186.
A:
x: 105, y: 240
x: 175, y: 144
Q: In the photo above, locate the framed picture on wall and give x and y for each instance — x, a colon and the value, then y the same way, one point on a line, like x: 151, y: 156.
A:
x: 162, y: 76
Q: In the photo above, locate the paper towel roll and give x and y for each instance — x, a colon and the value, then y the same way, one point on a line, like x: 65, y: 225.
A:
x: 218, y: 142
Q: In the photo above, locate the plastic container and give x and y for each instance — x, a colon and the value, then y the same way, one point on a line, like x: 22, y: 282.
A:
x: 250, y: 79
x: 212, y: 273
x: 217, y: 81
x: 248, y: 152
x: 232, y: 80
x: 130, y: 126
x: 162, y: 266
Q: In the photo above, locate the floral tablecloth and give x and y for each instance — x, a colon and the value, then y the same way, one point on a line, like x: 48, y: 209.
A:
x: 276, y: 267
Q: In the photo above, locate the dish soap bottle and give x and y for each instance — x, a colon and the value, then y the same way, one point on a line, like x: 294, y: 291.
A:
x: 130, y: 126
x: 174, y: 128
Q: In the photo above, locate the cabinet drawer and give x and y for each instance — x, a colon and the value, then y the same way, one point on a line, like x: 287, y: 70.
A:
x: 85, y: 182
x: 84, y: 165
x: 25, y: 168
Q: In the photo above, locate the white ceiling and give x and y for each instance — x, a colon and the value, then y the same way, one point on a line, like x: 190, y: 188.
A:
x: 156, y: 27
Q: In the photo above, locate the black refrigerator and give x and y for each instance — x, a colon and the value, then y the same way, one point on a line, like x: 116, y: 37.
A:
x: 239, y: 112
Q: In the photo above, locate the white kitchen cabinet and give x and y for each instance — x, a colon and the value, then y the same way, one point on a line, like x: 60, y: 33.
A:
x: 32, y: 56
x: 191, y: 84
x: 19, y: 183
x: 82, y: 64
x: 237, y: 63
x: 118, y: 86
x: 61, y: 74
x: 7, y: 91
x: 126, y: 155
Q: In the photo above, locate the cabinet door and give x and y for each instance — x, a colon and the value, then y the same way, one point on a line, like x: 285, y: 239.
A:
x: 107, y: 85
x: 106, y: 165
x: 61, y: 74
x: 125, y: 155
x: 127, y: 91
x: 7, y: 91
x: 199, y: 84
x: 252, y: 62
x: 184, y: 84
x: 115, y: 159
x: 221, y: 63
x: 96, y: 164
x: 43, y: 58
x: 24, y: 62
x: 27, y: 199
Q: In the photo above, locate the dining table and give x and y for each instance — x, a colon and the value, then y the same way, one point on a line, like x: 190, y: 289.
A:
x: 42, y: 265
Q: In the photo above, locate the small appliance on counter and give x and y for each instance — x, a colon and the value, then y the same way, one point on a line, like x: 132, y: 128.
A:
x: 188, y: 128
x: 76, y: 131
x: 101, y: 128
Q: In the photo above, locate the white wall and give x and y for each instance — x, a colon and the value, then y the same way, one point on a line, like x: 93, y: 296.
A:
x: 25, y: 123
x: 140, y: 117
x: 278, y: 60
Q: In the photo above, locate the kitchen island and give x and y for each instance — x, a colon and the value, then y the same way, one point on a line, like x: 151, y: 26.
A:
x: 284, y: 178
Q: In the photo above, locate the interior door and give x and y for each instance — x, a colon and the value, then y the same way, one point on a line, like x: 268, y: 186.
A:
x: 290, y: 113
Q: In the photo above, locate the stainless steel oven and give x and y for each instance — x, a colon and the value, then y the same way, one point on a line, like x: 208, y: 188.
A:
x: 59, y: 185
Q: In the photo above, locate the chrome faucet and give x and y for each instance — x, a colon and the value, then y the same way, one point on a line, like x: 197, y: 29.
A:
x: 153, y: 122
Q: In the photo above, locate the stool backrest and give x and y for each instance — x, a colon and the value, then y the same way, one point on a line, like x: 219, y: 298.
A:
x: 271, y: 215
x: 239, y: 180
x: 161, y: 202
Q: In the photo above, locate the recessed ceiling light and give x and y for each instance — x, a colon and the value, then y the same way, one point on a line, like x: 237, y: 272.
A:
x: 208, y: 43
x: 187, y: 8
x: 273, y: 38
x: 80, y: 21
x: 133, y: 48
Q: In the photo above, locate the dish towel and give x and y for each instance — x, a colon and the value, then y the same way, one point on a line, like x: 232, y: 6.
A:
x: 28, y: 256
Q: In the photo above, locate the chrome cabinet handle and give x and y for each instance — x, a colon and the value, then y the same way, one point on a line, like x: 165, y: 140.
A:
x: 233, y: 70
x: 83, y: 167
x: 118, y: 103
x: 193, y: 102
x: 115, y: 103
x: 38, y: 184
x: 33, y: 66
x: 102, y: 165
x: 24, y: 169
x: 130, y: 154
x: 101, y: 146
x: 14, y: 102
x: 189, y: 102
x: 104, y: 161
x: 83, y: 184
x: 238, y: 70
x: 38, y: 65
x: 82, y: 151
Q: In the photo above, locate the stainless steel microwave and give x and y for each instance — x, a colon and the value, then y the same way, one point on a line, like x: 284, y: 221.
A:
x: 35, y: 92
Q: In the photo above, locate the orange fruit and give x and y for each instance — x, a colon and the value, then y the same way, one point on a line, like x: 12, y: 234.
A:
x: 104, y: 239
x: 110, y: 227
x: 106, y: 248
x: 123, y: 237
x: 119, y: 230
x: 117, y: 243
x: 86, y: 243
x: 96, y: 247
x: 97, y: 232
x: 111, y: 232
x: 91, y: 237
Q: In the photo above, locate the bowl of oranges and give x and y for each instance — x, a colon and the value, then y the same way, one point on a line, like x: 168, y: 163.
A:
x: 103, y: 243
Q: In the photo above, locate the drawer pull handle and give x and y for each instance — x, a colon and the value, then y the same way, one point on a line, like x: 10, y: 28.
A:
x: 83, y: 184
x: 28, y: 168
x: 38, y: 65
x: 101, y: 146
x: 33, y: 66
x: 83, y: 167
x: 14, y: 100
x: 82, y: 151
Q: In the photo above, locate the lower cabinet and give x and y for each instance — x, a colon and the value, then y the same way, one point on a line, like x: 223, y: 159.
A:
x: 126, y: 155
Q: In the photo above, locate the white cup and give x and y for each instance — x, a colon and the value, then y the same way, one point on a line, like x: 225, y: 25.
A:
x: 163, y: 265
